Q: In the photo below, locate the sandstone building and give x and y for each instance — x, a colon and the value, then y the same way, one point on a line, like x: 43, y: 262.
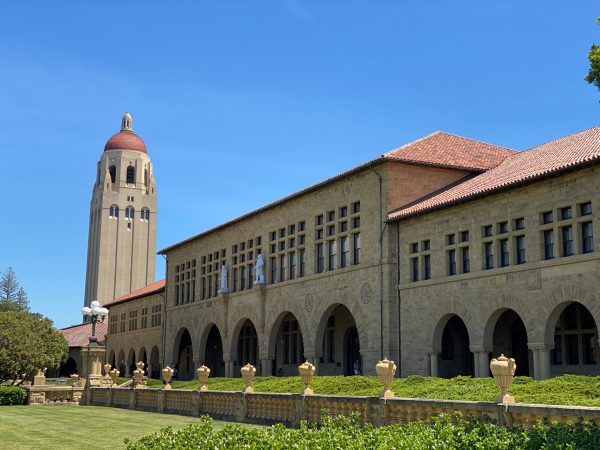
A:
x: 434, y: 254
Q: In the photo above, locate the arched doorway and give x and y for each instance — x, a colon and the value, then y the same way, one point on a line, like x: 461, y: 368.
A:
x: 144, y: 358
x: 111, y: 359
x: 213, y: 355
x: 575, y: 342
x: 67, y: 368
x: 154, y: 367
x: 289, y: 346
x: 185, y: 363
x: 510, y: 339
x: 131, y: 363
x: 122, y: 363
x: 338, y: 344
x: 455, y: 357
x: 247, y: 345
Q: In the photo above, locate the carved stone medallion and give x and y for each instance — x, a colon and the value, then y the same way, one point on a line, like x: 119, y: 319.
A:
x: 365, y: 293
x: 309, y: 302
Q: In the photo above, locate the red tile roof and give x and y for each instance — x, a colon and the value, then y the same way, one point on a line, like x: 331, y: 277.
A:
x: 448, y: 150
x: 125, y: 140
x: 78, y: 335
x: 553, y: 157
x: 437, y: 149
x: 153, y: 288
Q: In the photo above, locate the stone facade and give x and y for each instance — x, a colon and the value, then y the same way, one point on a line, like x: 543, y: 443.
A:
x: 513, y: 309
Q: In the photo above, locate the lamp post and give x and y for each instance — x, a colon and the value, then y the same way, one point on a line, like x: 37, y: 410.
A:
x: 95, y: 314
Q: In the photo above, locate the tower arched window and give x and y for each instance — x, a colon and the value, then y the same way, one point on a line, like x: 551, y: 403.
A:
x: 129, y: 212
x: 146, y: 177
x: 114, y: 211
x: 130, y: 175
x: 112, y: 170
x: 145, y: 214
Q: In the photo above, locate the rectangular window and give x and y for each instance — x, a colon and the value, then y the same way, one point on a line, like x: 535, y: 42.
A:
x: 319, y: 220
x: 585, y: 209
x: 320, y: 258
x: 450, y: 239
x: 330, y: 230
x: 356, y: 222
x: 332, y: 254
x: 301, y: 226
x: 503, y: 227
x: 487, y: 231
x: 426, y: 267
x: 345, y: 251
x: 210, y: 294
x: 343, y: 211
x: 292, y: 229
x: 273, y: 270
x: 520, y: 223
x: 547, y: 217
x: 504, y: 255
x: 587, y: 237
x: 292, y: 261
x: 203, y: 288
x: 567, y: 240
x: 565, y: 213
x: 414, y: 272
x: 548, y: 244
x: 355, y: 207
x: 451, y: 262
x: 343, y: 226
x: 319, y: 234
x: 330, y: 216
x: 235, y: 281
x: 282, y: 267
x: 272, y: 235
x: 466, y: 260
x: 520, y: 246
x: 302, y: 257
x: 425, y: 245
x: 489, y: 255
x: 414, y: 247
x: 464, y: 236
x: 356, y: 246
x: 250, y: 276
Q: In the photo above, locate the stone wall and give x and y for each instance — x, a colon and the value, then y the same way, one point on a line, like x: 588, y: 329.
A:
x: 290, y: 409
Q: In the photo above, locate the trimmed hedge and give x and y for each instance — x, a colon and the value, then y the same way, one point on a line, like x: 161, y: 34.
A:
x: 12, y: 395
x: 445, y: 432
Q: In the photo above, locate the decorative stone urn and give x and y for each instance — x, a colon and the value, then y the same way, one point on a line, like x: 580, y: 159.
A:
x: 74, y: 377
x: 114, y: 374
x: 248, y: 372
x: 203, y: 373
x: 139, y: 381
x: 167, y: 374
x: 386, y: 370
x: 106, y: 380
x: 106, y: 370
x: 306, y: 370
x: 503, y: 370
x: 39, y: 379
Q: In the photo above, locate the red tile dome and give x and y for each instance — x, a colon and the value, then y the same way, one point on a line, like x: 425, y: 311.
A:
x: 126, y: 140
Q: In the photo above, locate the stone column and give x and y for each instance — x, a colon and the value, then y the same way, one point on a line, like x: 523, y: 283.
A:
x: 433, y: 358
x: 92, y: 364
x: 266, y: 367
x: 480, y: 361
x: 541, y: 360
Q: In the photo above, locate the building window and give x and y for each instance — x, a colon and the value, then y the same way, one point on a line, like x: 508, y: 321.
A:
x: 332, y: 254
x: 345, y: 251
x: 114, y: 211
x: 292, y: 258
x: 355, y: 207
x: 112, y: 170
x: 587, y: 237
x: 547, y: 217
x: 504, y: 255
x: 302, y: 257
x: 520, y: 246
x: 242, y: 278
x: 273, y: 270
x: 464, y: 236
x: 520, y: 223
x: 414, y: 247
x: 130, y: 175
x: 319, y: 220
x: 502, y: 227
x: 466, y: 261
x: 320, y: 258
x: 450, y: 239
x: 426, y: 267
x: 548, y: 244
x: 329, y: 341
x: 282, y: 267
x: 414, y: 272
x: 156, y: 319
x: 330, y: 216
x: 129, y: 212
x: 565, y: 213
x: 356, y: 245
x: 567, y: 240
x: 425, y: 245
x: 235, y: 281
x: 585, y: 209
x: 133, y: 320
x: 145, y: 214
x: 488, y: 255
x: 487, y: 231
x: 451, y: 262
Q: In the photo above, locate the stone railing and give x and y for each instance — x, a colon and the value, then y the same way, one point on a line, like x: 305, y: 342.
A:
x: 45, y: 394
x: 290, y: 409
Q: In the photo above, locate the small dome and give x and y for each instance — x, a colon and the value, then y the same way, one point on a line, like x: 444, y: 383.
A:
x: 126, y: 139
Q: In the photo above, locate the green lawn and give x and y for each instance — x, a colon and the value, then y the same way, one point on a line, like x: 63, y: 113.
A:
x: 564, y: 390
x: 80, y: 427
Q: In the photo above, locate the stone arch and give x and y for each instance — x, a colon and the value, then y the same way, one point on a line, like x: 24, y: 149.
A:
x: 68, y: 368
x: 143, y: 356
x: 130, y: 364
x: 154, y: 363
x: 183, y: 346
x: 111, y: 359
x: 558, y: 301
x: 278, y: 311
x: 121, y: 363
x: 214, y: 362
x: 285, y: 347
x: 452, y: 346
x: 234, y: 335
x: 506, y: 333
x: 445, y: 310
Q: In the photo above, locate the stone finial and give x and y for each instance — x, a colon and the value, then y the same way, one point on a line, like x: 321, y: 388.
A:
x: 248, y: 373
x: 114, y: 375
x: 167, y: 374
x: 386, y: 370
x: 139, y: 380
x: 126, y: 122
x: 203, y: 373
x: 106, y: 370
x: 306, y: 370
x: 503, y: 369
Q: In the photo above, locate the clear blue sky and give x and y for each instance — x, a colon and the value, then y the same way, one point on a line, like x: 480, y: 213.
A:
x: 243, y: 102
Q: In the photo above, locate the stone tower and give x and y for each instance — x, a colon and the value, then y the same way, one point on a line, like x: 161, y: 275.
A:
x: 122, y: 234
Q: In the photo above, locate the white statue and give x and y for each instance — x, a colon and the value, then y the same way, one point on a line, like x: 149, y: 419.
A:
x: 224, y: 283
x: 260, y: 270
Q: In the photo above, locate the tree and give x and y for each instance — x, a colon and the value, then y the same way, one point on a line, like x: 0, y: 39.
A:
x: 12, y: 296
x: 28, y: 342
x: 593, y: 76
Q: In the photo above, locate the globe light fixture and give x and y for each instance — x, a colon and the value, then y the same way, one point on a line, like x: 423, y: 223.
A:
x: 95, y: 313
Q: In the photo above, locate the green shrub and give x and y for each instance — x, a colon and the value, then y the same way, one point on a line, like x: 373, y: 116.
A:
x: 445, y: 432
x: 12, y: 395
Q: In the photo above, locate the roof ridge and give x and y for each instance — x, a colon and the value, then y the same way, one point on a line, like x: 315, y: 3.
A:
x: 480, y: 142
x: 421, y: 139
x: 560, y: 138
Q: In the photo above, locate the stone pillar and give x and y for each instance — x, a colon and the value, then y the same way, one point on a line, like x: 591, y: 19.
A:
x: 480, y: 362
x: 265, y: 367
x: 91, y: 369
x: 433, y: 358
x: 541, y: 360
